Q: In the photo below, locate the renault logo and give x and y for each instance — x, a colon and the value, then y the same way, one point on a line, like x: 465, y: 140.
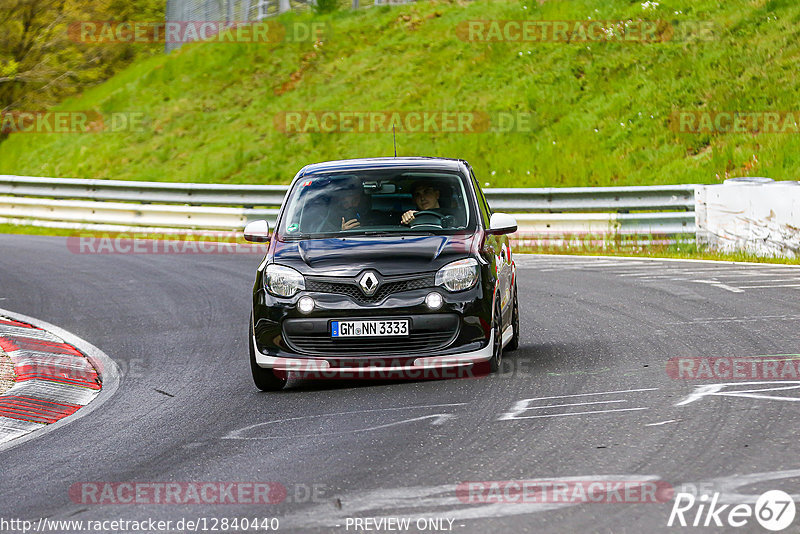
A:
x: 368, y: 283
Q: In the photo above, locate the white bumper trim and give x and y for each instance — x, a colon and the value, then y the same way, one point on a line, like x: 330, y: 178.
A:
x: 427, y: 362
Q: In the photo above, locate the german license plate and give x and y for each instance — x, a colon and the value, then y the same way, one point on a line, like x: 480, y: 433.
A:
x: 369, y: 328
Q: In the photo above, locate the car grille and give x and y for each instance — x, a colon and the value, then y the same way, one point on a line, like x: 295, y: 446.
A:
x: 352, y: 290
x: 312, y: 336
x: 415, y: 342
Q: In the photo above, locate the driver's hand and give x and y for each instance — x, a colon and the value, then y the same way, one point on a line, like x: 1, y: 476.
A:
x: 407, y: 217
x: 349, y: 225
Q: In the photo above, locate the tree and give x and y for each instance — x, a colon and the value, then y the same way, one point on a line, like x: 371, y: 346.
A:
x: 40, y: 64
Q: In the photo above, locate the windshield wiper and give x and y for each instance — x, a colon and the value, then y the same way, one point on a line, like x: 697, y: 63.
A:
x: 377, y: 233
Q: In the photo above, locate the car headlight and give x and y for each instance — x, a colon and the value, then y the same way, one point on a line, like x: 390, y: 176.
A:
x: 458, y: 275
x: 283, y: 281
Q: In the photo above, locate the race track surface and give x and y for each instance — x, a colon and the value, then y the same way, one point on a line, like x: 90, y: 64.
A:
x: 587, y: 397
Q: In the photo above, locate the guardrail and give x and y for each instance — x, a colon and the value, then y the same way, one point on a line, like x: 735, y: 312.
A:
x: 118, y: 205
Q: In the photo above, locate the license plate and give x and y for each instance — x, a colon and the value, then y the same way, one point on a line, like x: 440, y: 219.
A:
x: 369, y: 328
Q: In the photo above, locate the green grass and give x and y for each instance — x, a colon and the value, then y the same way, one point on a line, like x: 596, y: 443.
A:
x: 601, y: 111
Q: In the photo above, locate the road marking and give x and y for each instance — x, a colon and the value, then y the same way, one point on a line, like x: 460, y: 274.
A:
x: 573, y: 404
x: 719, y: 285
x: 727, y: 486
x: 597, y: 393
x: 745, y: 274
x: 524, y: 405
x: 417, y: 502
x: 709, y: 320
x: 662, y: 422
x: 438, y: 420
x: 573, y: 413
x: 710, y: 390
x: 723, y: 275
x: 767, y: 287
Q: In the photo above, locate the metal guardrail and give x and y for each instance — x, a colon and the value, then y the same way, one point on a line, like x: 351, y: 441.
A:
x: 552, y: 199
x: 122, y: 205
x: 618, y: 199
x: 144, y: 192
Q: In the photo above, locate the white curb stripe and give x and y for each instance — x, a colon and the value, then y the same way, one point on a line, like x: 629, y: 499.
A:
x: 53, y: 392
x: 30, y: 333
x: 14, y: 428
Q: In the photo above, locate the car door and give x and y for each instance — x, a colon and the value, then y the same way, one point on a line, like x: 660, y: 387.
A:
x: 499, y: 250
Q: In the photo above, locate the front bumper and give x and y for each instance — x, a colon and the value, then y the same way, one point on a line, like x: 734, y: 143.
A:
x: 462, y: 324
x: 461, y: 365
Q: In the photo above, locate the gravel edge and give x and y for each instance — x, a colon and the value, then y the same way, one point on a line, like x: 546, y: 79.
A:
x: 7, y: 375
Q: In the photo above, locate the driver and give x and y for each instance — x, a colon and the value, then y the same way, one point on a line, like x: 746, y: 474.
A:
x: 426, y: 197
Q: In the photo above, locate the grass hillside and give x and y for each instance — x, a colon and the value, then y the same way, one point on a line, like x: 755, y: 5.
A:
x: 601, y: 111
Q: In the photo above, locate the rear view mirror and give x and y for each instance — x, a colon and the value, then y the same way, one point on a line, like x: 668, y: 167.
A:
x: 257, y: 232
x: 383, y: 188
x: 502, y: 223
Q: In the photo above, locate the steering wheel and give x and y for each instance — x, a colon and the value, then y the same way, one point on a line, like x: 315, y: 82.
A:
x: 430, y: 215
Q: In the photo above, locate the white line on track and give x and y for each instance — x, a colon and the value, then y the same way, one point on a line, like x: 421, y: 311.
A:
x: 770, y: 287
x: 662, y: 422
x: 597, y: 393
x: 578, y: 413
x: 573, y: 404
x: 720, y: 285
x: 707, y: 320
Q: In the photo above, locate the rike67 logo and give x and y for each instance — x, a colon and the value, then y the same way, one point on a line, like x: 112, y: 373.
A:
x: 774, y: 510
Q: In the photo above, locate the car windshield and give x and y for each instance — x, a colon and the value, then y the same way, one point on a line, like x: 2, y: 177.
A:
x: 386, y: 201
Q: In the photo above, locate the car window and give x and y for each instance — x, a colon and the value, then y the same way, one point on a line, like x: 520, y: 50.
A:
x: 486, y: 211
x: 375, y: 202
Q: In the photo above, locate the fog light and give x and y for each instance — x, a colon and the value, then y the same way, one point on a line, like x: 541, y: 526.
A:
x: 434, y: 300
x: 305, y: 304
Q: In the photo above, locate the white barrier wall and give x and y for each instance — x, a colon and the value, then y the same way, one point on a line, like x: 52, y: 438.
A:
x: 756, y: 215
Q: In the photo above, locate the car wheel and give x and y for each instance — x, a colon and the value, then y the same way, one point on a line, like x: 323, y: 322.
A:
x: 514, y: 343
x: 264, y: 379
x: 497, y: 347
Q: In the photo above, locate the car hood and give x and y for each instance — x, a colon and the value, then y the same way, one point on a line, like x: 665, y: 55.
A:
x: 388, y: 255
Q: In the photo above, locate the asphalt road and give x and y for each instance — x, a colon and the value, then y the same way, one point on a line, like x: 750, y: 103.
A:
x: 596, y: 339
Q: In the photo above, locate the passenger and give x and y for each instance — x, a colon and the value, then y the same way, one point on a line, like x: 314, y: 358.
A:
x: 346, y: 208
x: 351, y: 200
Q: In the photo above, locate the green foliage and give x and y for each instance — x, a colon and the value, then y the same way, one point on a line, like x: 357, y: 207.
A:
x: 326, y: 6
x: 41, y: 62
x: 600, y: 111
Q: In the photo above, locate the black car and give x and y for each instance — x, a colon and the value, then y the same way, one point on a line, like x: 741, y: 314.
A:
x: 383, y: 268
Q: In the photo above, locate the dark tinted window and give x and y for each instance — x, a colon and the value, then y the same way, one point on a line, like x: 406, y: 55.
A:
x: 374, y: 201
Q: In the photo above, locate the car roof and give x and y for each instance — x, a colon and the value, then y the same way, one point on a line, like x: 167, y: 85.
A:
x: 446, y: 164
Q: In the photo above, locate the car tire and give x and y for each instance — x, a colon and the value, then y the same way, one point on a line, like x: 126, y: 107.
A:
x: 514, y: 343
x: 497, y: 346
x: 264, y: 379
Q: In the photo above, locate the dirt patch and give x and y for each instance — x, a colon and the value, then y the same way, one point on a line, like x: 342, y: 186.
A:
x: 297, y: 75
x: 7, y: 375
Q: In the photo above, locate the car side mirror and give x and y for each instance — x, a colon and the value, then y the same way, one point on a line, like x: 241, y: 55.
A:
x: 502, y: 223
x: 257, y: 232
